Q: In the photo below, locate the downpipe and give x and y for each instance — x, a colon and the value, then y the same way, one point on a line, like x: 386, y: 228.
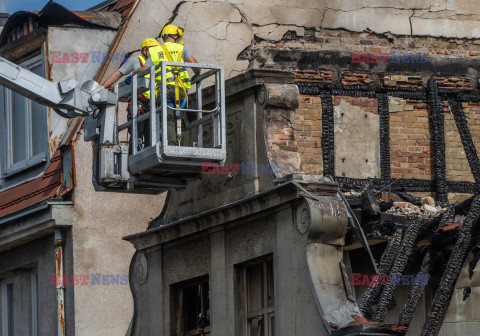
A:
x: 59, y: 283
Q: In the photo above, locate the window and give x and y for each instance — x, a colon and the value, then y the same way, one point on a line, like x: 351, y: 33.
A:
x: 257, y: 298
x: 7, y: 308
x: 19, y: 292
x: 25, y: 130
x: 191, y: 308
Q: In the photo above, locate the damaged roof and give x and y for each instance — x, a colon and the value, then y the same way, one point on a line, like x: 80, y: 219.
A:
x: 119, y: 6
x: 24, y: 22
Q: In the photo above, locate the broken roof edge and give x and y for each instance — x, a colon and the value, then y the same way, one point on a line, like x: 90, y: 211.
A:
x: 102, y: 5
x: 55, y: 14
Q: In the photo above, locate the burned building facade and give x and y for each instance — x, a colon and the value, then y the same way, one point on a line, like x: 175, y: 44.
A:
x: 374, y: 101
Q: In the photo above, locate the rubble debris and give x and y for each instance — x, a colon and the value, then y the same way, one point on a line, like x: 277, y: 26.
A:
x: 385, y: 205
x: 452, y: 270
x: 408, y: 209
x: 401, y: 259
x: 441, y: 221
x: 428, y: 201
x: 370, y: 203
x: 410, y: 198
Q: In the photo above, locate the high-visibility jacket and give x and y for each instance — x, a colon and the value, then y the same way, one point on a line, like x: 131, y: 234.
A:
x: 142, y: 60
x: 157, y: 54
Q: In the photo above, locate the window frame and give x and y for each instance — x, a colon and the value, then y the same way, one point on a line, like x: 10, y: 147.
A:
x: 177, y: 292
x: 9, y: 167
x: 4, y: 316
x: 266, y: 313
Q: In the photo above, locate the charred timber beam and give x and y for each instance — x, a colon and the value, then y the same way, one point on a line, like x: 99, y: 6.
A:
x: 384, y: 113
x: 452, y: 270
x: 328, y: 135
x: 384, y: 266
x: 466, y: 138
x: 426, y: 270
x: 347, y: 183
x: 309, y: 88
x: 416, y: 293
x: 408, y: 242
x: 436, y: 119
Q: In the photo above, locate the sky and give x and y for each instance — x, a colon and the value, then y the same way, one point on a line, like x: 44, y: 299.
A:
x: 73, y: 5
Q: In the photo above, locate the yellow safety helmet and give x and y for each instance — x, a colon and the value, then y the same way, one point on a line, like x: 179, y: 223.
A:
x: 172, y: 30
x: 149, y: 42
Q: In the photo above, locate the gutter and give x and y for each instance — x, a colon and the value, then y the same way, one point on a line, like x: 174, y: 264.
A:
x: 59, y: 283
x: 22, y: 213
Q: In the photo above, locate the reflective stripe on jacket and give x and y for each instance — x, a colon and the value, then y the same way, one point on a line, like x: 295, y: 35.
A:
x: 158, y: 55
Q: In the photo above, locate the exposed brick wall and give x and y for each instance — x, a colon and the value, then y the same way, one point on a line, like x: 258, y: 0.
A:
x: 285, y: 140
x: 376, y: 43
x: 410, y: 138
x: 367, y: 104
x: 308, y: 132
x: 410, y: 145
x: 454, y: 83
x: 402, y: 81
x: 356, y: 79
x: 324, y: 77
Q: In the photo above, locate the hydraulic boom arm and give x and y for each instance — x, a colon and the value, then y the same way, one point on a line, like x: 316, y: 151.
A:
x: 68, y: 98
x: 123, y: 163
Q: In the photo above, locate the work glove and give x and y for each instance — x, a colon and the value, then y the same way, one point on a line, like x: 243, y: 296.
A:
x: 128, y: 80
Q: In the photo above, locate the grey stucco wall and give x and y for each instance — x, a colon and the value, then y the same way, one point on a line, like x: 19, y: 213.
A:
x: 100, y: 220
x: 219, y: 254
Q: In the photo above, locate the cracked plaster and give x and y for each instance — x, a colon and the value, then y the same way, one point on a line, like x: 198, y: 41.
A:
x: 218, y: 31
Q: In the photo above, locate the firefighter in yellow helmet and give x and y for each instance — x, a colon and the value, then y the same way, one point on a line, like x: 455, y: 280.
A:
x: 131, y: 64
x: 178, y: 81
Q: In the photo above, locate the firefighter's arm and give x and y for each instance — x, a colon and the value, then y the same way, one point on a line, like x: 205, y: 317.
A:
x: 191, y: 59
x: 112, y: 79
x: 139, y: 70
